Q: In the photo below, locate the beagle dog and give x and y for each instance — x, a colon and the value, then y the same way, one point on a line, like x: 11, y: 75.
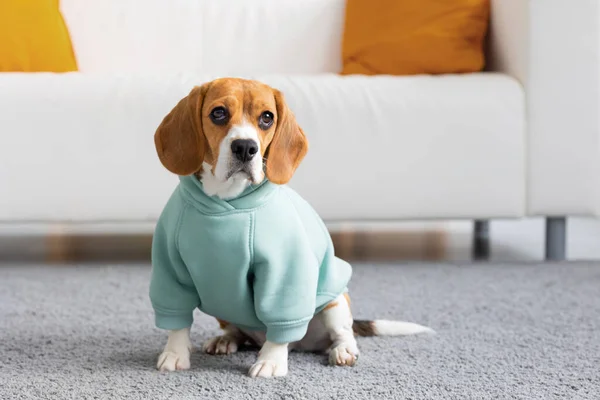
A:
x: 223, y: 138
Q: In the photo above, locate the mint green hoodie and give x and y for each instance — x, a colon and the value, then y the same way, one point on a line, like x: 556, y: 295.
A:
x: 262, y: 261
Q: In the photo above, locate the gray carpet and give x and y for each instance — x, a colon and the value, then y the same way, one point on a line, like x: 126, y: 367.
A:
x: 503, y: 332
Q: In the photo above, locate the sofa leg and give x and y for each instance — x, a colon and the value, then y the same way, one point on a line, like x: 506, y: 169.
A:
x: 481, y: 239
x: 556, y: 238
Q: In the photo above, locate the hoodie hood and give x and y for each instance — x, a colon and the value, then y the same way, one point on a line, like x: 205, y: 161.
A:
x: 252, y: 197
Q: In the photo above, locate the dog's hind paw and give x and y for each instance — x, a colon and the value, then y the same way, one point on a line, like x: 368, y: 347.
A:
x: 343, y: 354
x: 172, y: 361
x: 220, y: 345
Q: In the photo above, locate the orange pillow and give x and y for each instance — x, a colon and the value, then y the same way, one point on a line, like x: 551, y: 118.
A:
x: 34, y: 37
x: 405, y: 37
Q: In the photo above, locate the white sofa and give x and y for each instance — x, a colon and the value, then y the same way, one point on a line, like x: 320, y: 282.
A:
x: 518, y: 140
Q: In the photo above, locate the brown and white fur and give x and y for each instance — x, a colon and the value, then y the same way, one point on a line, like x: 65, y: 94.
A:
x: 215, y: 133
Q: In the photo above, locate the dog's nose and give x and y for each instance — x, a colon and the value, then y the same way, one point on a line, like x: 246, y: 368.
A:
x: 244, y: 149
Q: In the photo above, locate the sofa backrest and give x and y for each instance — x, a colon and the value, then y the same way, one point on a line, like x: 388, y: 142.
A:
x: 224, y: 37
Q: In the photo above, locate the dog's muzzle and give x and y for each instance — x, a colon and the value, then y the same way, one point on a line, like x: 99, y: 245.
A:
x: 243, y: 159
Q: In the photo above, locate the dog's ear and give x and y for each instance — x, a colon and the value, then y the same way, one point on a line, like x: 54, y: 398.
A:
x: 288, y: 147
x: 179, y: 139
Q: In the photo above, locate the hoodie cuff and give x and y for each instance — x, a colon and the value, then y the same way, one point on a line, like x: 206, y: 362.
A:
x: 170, y: 321
x: 286, y: 333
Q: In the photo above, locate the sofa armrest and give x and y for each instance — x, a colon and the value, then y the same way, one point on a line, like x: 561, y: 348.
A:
x: 552, y: 47
x: 562, y: 98
x: 507, y: 38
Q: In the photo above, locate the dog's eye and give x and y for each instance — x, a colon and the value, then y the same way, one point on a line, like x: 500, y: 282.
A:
x: 265, y: 120
x: 219, y: 115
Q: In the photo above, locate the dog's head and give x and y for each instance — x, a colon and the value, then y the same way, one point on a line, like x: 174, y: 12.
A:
x: 231, y: 125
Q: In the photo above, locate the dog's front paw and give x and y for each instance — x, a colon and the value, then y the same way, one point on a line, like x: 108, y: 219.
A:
x: 220, y: 345
x: 172, y: 361
x: 272, y: 361
x: 343, y: 354
x: 268, y: 369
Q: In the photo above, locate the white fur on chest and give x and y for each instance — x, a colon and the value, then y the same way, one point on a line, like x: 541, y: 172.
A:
x: 228, y: 189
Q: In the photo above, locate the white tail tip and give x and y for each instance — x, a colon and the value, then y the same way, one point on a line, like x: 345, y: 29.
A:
x: 396, y: 328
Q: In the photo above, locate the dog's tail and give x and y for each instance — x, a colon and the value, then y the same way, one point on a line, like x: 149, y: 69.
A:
x: 383, y: 327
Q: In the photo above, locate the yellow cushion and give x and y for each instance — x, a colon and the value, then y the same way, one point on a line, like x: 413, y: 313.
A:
x: 34, y: 37
x: 405, y: 37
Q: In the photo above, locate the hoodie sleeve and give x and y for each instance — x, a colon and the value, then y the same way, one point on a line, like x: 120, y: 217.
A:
x: 172, y: 293
x: 286, y: 274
